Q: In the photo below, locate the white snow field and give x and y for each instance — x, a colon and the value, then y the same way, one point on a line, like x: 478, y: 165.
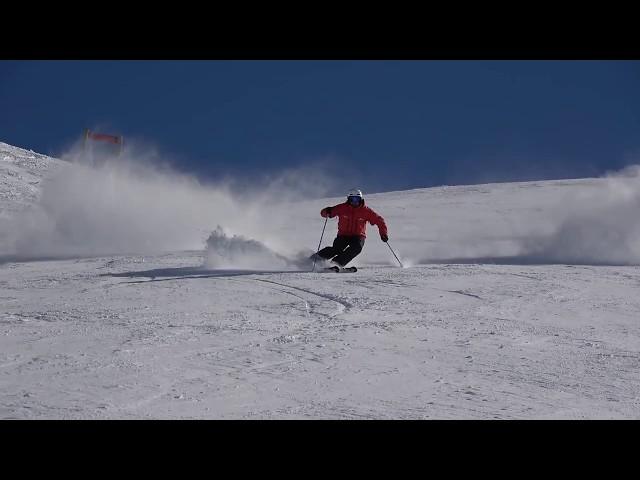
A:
x: 517, y: 301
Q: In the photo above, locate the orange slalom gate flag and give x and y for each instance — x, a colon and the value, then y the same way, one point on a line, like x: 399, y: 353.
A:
x: 106, y: 138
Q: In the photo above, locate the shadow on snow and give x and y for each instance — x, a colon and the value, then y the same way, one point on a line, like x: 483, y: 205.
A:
x: 522, y: 260
x: 164, y: 274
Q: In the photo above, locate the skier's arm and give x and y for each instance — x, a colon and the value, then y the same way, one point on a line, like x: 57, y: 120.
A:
x: 377, y: 220
x: 329, y: 211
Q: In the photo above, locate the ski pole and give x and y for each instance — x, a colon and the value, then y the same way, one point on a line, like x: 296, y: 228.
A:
x: 394, y: 254
x: 319, y: 243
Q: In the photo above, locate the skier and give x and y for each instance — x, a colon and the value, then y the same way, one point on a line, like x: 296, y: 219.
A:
x: 352, y: 225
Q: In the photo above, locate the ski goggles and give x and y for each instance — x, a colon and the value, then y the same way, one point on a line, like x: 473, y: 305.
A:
x: 354, y: 200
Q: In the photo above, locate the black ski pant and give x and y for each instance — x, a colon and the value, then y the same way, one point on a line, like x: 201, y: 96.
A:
x: 344, y: 249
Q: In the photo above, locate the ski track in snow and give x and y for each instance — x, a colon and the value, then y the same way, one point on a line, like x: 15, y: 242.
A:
x: 342, y: 306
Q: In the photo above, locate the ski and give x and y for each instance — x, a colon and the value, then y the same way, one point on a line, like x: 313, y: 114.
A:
x: 337, y: 269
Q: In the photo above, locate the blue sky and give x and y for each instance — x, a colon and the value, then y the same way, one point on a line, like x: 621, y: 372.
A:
x: 387, y: 125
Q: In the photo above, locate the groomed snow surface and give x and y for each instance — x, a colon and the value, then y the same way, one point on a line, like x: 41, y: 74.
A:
x: 517, y: 301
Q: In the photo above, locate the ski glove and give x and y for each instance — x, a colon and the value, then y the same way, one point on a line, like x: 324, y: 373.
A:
x: 384, y: 238
x: 327, y: 211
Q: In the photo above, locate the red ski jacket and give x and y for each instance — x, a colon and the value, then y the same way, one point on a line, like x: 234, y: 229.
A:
x: 353, y: 220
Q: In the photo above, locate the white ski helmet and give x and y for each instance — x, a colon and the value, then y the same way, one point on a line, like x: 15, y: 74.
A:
x: 355, y: 197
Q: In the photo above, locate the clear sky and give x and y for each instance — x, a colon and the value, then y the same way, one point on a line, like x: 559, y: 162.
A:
x: 389, y: 125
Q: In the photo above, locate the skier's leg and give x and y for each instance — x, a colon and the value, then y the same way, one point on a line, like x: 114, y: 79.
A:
x: 327, y: 252
x: 355, y: 245
x: 339, y: 244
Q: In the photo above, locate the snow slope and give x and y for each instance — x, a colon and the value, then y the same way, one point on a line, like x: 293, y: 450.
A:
x: 520, y: 300
x: 21, y: 173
